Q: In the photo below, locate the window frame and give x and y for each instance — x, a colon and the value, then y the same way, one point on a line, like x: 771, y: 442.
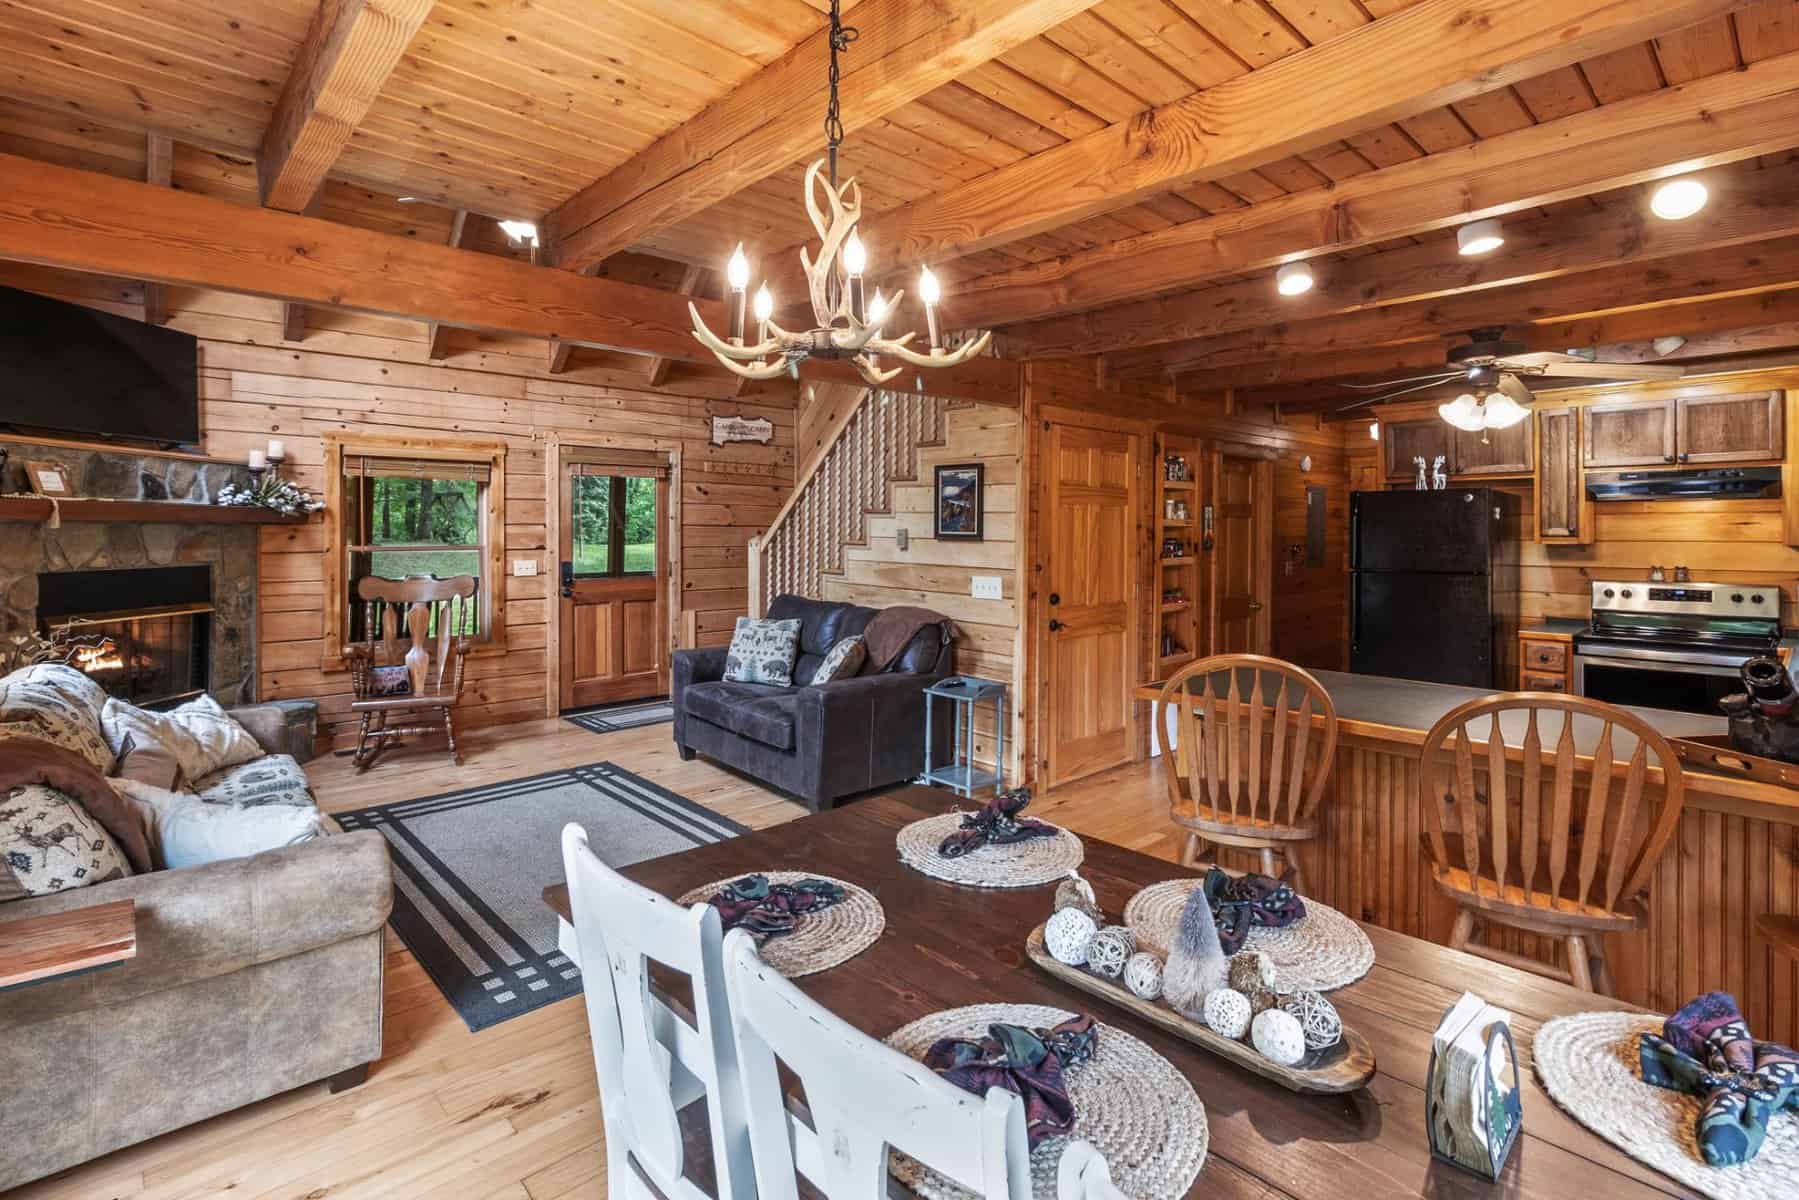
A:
x: 615, y: 526
x: 341, y: 445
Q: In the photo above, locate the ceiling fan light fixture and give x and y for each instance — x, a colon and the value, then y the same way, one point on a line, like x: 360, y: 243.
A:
x: 1678, y: 199
x: 1503, y: 412
x: 1464, y: 412
x: 1294, y: 279
x: 1479, y: 237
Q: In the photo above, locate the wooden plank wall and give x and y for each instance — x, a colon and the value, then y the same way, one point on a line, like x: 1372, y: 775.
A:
x: 356, y: 372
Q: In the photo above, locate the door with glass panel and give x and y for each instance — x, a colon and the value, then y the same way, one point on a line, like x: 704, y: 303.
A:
x: 613, y: 576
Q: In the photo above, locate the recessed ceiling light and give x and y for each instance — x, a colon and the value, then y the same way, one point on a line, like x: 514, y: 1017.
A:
x: 1678, y: 199
x: 1294, y: 279
x: 1479, y: 237
x: 520, y: 231
x: 1665, y: 346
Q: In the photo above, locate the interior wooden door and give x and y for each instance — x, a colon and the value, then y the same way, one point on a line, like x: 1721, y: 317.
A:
x: 1090, y: 518
x: 1242, y: 554
x: 613, y: 582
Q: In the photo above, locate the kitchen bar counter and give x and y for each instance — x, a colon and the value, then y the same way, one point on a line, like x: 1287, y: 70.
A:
x: 1734, y: 856
x: 1560, y: 628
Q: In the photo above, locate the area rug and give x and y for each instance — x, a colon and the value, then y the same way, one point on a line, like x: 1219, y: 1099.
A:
x: 632, y: 714
x: 470, y: 868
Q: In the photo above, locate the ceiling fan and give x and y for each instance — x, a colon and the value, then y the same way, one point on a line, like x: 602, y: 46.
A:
x: 1494, y: 370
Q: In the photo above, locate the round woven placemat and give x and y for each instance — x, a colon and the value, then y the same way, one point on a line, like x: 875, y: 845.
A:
x: 1588, y: 1065
x: 1020, y: 864
x: 818, y: 940
x: 1326, y: 950
x: 1129, y: 1101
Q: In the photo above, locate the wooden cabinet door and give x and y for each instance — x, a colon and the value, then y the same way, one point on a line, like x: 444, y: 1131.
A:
x: 1402, y: 441
x: 1630, y: 433
x: 1562, y: 510
x: 1725, y: 429
x: 1493, y: 451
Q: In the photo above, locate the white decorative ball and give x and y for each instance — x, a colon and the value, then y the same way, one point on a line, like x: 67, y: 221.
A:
x: 1143, y: 975
x: 1227, y: 1013
x: 1068, y: 934
x: 1316, y: 1016
x: 1278, y: 1037
x: 1109, y: 949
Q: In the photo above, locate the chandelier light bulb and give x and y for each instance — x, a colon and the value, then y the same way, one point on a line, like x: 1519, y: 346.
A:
x: 855, y: 255
x: 877, y: 308
x: 1294, y: 279
x: 1479, y: 237
x: 765, y: 303
x: 737, y: 271
x: 929, y: 290
x: 1678, y: 199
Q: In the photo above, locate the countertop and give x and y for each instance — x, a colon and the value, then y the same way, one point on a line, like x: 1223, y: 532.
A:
x: 1555, y: 627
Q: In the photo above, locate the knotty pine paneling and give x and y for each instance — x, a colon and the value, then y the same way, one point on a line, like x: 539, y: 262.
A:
x: 366, y: 373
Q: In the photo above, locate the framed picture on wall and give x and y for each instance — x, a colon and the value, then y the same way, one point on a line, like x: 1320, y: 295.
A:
x: 959, y: 511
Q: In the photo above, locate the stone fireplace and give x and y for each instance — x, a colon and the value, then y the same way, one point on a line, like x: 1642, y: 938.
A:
x: 144, y: 634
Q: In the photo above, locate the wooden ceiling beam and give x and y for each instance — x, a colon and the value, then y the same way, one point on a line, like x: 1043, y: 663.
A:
x: 691, y: 278
x: 78, y: 220
x: 1747, y: 207
x: 559, y: 354
x: 437, y: 334
x: 159, y: 170
x: 1434, y: 53
x: 349, y: 51
x: 903, y: 50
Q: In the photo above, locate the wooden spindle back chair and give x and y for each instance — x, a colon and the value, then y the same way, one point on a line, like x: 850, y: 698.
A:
x: 409, y: 665
x: 1544, y: 836
x: 1252, y: 770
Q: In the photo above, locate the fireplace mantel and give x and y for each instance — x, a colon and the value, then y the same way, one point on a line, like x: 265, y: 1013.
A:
x: 174, y: 512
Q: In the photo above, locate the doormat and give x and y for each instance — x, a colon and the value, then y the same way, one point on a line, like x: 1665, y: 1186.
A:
x: 631, y: 714
x: 470, y: 868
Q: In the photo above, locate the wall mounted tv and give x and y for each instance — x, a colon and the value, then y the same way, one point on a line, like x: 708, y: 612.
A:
x: 69, y: 369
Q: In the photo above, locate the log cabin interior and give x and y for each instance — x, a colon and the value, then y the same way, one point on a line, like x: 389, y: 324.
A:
x: 478, y: 475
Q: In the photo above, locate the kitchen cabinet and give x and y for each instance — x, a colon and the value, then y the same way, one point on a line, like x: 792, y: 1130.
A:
x: 1730, y: 429
x: 1543, y: 662
x: 1564, y: 514
x: 1492, y: 451
x: 1630, y: 433
x: 1402, y: 441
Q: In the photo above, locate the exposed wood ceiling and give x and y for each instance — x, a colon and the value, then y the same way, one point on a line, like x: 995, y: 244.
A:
x: 1015, y: 143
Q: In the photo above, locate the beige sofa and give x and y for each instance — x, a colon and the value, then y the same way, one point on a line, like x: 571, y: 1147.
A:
x: 252, y: 976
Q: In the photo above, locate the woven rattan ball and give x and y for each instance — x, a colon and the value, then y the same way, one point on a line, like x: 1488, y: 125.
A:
x: 1278, y: 1037
x: 1143, y: 975
x: 1067, y: 936
x: 1110, y: 949
x: 1317, y: 1018
x: 1075, y: 892
x: 1253, y: 973
x: 1227, y: 1013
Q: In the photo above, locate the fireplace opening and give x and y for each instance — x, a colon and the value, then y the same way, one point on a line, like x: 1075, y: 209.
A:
x: 144, y: 635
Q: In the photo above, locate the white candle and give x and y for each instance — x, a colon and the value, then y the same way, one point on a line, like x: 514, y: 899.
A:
x: 258, y: 460
x: 277, y: 450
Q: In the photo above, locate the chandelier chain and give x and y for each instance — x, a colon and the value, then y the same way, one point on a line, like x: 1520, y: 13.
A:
x: 841, y: 37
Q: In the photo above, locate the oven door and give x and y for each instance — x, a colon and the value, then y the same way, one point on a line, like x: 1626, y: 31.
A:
x: 1656, y: 679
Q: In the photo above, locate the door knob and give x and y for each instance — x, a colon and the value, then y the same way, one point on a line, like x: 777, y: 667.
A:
x: 1055, y: 597
x: 1054, y: 624
x: 1255, y: 606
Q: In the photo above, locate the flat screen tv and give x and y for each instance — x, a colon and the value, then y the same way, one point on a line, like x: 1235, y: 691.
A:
x: 71, y: 369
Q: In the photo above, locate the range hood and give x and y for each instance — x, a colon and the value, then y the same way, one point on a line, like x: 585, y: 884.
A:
x: 1722, y: 483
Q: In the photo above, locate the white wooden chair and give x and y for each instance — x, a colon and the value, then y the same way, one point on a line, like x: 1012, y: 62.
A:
x: 863, y: 1098
x: 651, y: 1062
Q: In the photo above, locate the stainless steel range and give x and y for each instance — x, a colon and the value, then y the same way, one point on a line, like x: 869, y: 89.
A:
x: 1677, y: 646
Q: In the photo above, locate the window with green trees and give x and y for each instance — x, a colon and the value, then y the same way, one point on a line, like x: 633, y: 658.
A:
x: 613, y: 524
x: 415, y: 518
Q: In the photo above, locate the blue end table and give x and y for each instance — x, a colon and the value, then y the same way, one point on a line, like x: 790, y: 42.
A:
x: 960, y: 774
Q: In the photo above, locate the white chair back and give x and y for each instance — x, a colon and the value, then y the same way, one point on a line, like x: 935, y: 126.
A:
x: 651, y: 1062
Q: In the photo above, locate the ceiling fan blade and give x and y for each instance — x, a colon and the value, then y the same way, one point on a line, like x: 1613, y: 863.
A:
x: 1514, y: 387
x: 1575, y: 369
x: 1387, y: 383
x: 1390, y: 395
x: 1541, y: 358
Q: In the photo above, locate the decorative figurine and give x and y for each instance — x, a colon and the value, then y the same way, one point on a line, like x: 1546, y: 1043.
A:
x: 1423, y: 481
x: 1075, y: 892
x: 1439, y: 478
x: 1196, y: 964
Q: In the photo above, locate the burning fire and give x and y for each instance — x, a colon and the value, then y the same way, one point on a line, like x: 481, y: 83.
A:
x: 102, y: 655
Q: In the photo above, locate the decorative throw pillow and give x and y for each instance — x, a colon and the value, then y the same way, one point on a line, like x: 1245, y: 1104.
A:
x: 186, y: 831
x: 763, y: 651
x: 56, y: 704
x: 271, y: 779
x: 49, y: 843
x: 201, y: 735
x: 843, y: 662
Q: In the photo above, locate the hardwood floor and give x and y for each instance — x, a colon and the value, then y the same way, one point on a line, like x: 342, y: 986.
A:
x: 511, y: 1113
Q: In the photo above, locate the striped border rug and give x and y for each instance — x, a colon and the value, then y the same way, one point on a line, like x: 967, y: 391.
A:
x: 470, y: 868
x: 631, y: 714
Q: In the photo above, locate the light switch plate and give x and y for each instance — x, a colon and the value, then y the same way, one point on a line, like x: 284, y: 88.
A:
x: 524, y: 568
x: 987, y: 587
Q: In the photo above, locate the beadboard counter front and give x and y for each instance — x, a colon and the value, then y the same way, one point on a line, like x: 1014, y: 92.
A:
x: 1734, y: 857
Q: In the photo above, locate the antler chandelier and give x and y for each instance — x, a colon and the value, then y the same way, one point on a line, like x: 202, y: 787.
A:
x: 847, y: 322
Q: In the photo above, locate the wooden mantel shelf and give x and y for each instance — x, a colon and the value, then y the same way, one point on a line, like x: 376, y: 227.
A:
x: 174, y: 512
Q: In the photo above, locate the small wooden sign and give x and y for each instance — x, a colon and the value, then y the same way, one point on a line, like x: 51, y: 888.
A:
x: 742, y: 429
x: 48, y: 478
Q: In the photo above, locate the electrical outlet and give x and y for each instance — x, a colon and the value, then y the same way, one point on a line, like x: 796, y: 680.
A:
x: 987, y: 587
x: 524, y: 568
x: 902, y: 538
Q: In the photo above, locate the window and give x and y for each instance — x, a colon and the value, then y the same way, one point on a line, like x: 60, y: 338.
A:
x: 612, y: 523
x: 400, y: 507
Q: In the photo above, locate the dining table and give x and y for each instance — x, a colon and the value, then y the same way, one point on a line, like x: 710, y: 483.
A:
x: 947, y: 945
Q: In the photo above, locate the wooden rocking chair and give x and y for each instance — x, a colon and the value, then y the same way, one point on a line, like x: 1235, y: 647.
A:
x: 408, y: 679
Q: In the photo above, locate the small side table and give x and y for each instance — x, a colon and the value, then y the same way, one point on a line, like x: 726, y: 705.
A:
x: 960, y: 774
x: 67, y: 943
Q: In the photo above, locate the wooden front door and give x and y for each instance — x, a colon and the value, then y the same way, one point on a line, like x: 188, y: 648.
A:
x: 1090, y: 534
x: 1242, y: 554
x: 613, y: 581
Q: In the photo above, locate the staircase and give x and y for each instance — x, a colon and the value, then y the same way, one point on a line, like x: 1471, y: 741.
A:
x: 864, y: 450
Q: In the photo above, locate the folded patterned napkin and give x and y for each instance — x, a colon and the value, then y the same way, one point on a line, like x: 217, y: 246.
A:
x: 770, y: 909
x: 1241, y: 902
x: 1705, y: 1050
x: 1027, y: 1062
x: 997, y: 823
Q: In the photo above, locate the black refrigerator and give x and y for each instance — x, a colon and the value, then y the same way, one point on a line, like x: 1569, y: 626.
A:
x: 1433, y: 585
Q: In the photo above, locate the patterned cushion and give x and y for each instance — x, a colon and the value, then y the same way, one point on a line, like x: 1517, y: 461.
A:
x: 843, y: 662
x: 56, y: 704
x: 272, y: 779
x: 202, y: 736
x: 763, y: 652
x: 48, y: 843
